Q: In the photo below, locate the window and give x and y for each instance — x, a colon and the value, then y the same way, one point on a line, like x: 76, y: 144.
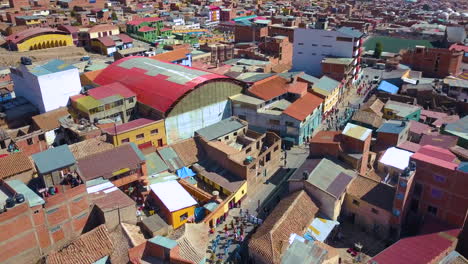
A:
x: 226, y: 137
x: 439, y: 178
x: 235, y: 134
x: 36, y: 212
x: 30, y: 141
x: 300, y: 52
x: 327, y: 46
x: 356, y: 202
x: 184, y: 217
x: 274, y: 122
x: 140, y: 136
x: 154, y: 131
x: 130, y: 100
x: 313, y: 54
x: 276, y: 148
x: 258, y: 144
x: 242, y: 117
x: 436, y: 193
x: 268, y: 157
x: 42, y: 137
x: 417, y: 190
x: 300, y: 44
x: 289, y: 123
x: 400, y: 196
x: 314, y: 45
x: 375, y: 211
x: 344, y: 39
x: 432, y: 210
x: 125, y: 140
x: 248, y: 150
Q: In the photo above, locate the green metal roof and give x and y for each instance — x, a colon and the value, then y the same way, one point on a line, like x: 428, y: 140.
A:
x: 162, y: 177
x: 102, y: 260
x: 31, y: 197
x: 138, y: 151
x: 155, y: 164
x: 459, y: 128
x: 163, y: 241
x: 326, y: 85
x: 53, y: 159
x: 246, y: 99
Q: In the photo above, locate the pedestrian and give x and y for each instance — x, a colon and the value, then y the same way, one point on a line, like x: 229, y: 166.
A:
x: 232, y: 224
x: 225, y: 228
x: 240, y: 212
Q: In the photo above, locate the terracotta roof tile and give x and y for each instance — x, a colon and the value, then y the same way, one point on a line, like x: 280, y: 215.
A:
x: 172, y: 56
x: 50, y: 120
x: 188, y: 151
x: 14, y: 164
x: 269, y: 88
x: 87, y: 249
x: 303, y: 106
x: 291, y: 215
x: 89, y: 147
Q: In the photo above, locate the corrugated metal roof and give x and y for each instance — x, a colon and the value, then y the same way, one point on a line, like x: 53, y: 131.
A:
x: 86, y: 103
x: 325, y: 85
x: 330, y: 177
x: 357, y: 132
x: 304, y: 253
x: 155, y: 164
x: 163, y: 241
x: 350, y: 32
x: 246, y: 99
x: 53, y: 159
x: 392, y: 127
x: 31, y: 197
x: 157, y: 84
x: 220, y: 129
x: 52, y: 66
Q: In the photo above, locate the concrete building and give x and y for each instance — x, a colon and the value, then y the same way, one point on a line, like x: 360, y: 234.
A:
x: 43, y: 85
x: 401, y: 111
x: 392, y: 133
x: 38, y: 38
x: 249, y: 155
x: 311, y: 46
x: 188, y: 98
x: 108, y: 45
x: 140, y: 131
x: 439, y: 186
x: 433, y: 62
x: 112, y: 101
x: 325, y: 181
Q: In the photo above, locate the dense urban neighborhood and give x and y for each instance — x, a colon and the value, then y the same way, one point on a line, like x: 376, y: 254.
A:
x: 233, y: 131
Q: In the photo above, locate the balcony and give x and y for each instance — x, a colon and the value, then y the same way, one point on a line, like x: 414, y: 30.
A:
x: 126, y: 180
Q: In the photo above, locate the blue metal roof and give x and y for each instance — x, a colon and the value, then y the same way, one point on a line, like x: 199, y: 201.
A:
x: 350, y: 32
x: 52, y: 66
x: 163, y: 241
x: 53, y: 159
x: 388, y: 87
x: 392, y: 127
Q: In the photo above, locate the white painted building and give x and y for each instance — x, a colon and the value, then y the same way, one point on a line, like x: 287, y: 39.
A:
x: 311, y: 46
x: 47, y: 86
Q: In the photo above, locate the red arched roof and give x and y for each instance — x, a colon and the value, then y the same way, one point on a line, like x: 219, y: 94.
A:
x: 25, y: 34
x: 157, y: 84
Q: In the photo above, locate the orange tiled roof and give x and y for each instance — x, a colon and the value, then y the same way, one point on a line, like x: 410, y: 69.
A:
x: 171, y: 56
x: 291, y: 215
x: 269, y: 88
x: 88, y: 248
x: 14, y: 164
x: 303, y: 106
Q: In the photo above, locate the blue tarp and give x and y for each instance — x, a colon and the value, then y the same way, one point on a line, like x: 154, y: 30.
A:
x: 185, y: 172
x: 388, y: 87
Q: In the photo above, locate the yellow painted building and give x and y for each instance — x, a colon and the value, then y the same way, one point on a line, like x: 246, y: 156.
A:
x: 180, y: 217
x: 43, y: 40
x: 139, y: 131
x: 329, y: 90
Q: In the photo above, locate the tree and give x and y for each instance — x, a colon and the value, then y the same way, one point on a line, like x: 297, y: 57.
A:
x: 114, y: 16
x: 73, y: 13
x: 426, y: 7
x: 378, y: 50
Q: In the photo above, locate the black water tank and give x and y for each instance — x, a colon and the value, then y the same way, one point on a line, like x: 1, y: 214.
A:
x: 26, y: 61
x: 19, y: 198
x: 10, y: 202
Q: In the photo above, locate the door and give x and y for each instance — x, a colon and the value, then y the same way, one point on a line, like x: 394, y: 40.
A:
x: 160, y: 142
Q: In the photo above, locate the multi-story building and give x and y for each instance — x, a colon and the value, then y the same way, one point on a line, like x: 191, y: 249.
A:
x: 401, y: 111
x: 219, y: 52
x: 33, y: 226
x: 112, y: 101
x: 311, y: 46
x: 329, y: 90
x: 147, y: 29
x: 439, y: 186
x: 434, y: 62
x: 43, y: 85
x: 38, y: 38
x: 85, y: 35
x: 141, y: 131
